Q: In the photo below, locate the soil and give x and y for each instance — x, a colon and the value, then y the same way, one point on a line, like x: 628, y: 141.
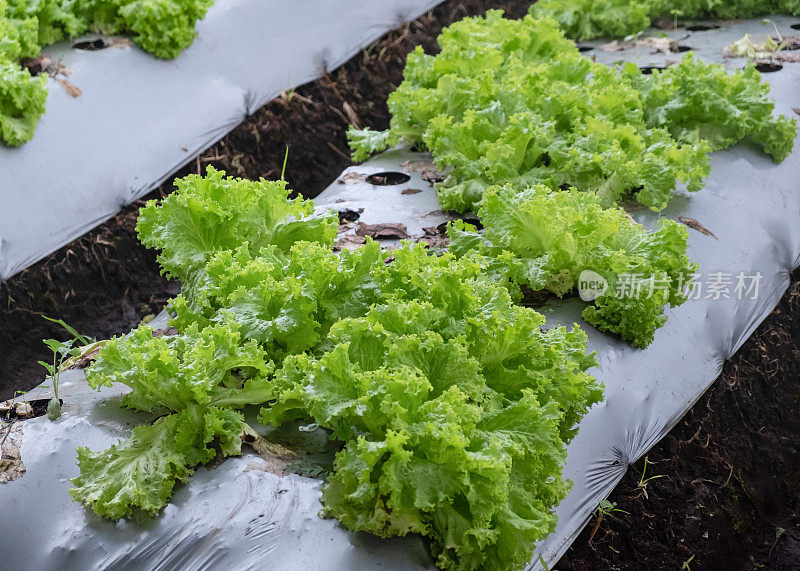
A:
x: 730, y: 469
x: 726, y: 493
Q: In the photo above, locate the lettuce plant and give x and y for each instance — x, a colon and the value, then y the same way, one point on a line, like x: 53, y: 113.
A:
x: 452, y: 404
x: 514, y: 102
x: 161, y: 27
x: 589, y: 19
x: 544, y: 240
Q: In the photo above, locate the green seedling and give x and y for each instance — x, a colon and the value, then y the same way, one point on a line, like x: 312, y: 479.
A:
x: 62, y: 351
x: 767, y: 22
x: 605, y: 509
x: 675, y: 13
x: 685, y: 565
x: 285, y: 158
x: 635, y: 39
x: 644, y: 481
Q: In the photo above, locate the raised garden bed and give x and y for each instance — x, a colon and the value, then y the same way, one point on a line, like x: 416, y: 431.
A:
x: 714, y: 557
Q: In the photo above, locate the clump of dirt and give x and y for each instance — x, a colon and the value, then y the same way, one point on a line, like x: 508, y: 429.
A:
x: 729, y: 495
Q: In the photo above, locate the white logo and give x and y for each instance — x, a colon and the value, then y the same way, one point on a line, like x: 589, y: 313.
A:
x: 591, y: 285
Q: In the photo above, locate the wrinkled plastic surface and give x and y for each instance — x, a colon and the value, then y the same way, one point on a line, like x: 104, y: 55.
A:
x: 239, y: 517
x: 140, y: 119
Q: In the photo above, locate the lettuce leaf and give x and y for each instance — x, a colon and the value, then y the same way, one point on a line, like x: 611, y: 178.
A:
x: 513, y: 101
x: 22, y: 102
x: 697, y: 101
x: 195, y: 380
x: 446, y: 435
x: 589, y: 19
x: 545, y: 240
x: 213, y: 213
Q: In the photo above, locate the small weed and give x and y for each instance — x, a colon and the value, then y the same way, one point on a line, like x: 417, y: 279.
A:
x: 62, y: 350
x: 642, y: 485
x: 603, y: 510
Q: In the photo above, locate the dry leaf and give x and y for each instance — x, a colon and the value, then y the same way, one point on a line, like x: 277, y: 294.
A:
x: 71, y: 89
x: 385, y: 230
x: 695, y: 225
x: 616, y: 46
x: 349, y: 242
x: 24, y: 410
x: 118, y: 42
x: 426, y: 169
x: 434, y: 237
x: 660, y: 45
x: 275, y: 456
x: 411, y: 191
x: 11, y: 466
x: 353, y: 177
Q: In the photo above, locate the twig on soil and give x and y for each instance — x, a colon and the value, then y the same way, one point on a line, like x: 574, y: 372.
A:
x: 339, y: 152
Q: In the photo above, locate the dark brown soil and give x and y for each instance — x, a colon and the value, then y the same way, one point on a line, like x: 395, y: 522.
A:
x: 728, y: 492
x: 730, y: 467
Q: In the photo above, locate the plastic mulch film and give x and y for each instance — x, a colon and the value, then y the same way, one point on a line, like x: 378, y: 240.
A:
x: 139, y: 119
x: 241, y: 516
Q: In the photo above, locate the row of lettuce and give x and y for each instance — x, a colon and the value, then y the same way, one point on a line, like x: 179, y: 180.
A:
x: 451, y: 401
x: 161, y: 27
x: 588, y: 19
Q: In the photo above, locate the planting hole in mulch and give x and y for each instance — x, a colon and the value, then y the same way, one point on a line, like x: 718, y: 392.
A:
x: 795, y: 26
x: 584, y: 49
x: 679, y: 49
x: 91, y: 45
x: 702, y: 27
x: 19, y: 410
x: 348, y: 215
x: 442, y: 228
x: 768, y: 66
x: 648, y: 69
x: 388, y: 178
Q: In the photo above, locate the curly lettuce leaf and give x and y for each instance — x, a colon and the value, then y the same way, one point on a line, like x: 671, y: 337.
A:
x: 284, y: 301
x: 197, y: 378
x: 22, y: 102
x: 513, y: 101
x: 545, y: 240
x: 590, y: 19
x: 213, y: 213
x: 697, y: 101
x: 198, y: 367
x: 141, y: 471
x: 453, y: 412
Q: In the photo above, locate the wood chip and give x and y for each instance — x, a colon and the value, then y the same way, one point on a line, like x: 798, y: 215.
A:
x: 796, y: 110
x: 695, y: 225
x: 71, y: 89
x: 385, y: 230
x: 411, y: 191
